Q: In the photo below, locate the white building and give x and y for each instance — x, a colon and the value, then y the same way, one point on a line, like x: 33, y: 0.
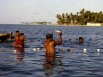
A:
x: 94, y: 24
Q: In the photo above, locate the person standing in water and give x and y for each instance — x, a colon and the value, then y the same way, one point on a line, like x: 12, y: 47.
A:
x: 50, y: 44
x: 16, y: 36
x: 20, y: 41
x: 19, y: 47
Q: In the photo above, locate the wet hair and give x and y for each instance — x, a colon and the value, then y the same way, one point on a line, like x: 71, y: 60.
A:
x: 80, y: 37
x: 48, y: 36
x: 81, y: 40
x: 17, y: 31
x: 21, y: 34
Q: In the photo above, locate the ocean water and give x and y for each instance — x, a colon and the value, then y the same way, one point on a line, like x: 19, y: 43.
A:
x: 72, y: 59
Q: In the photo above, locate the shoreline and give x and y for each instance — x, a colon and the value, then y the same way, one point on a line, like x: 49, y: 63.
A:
x: 53, y: 25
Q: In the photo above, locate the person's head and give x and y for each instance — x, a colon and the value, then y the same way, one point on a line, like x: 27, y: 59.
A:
x: 81, y: 40
x: 49, y: 36
x: 21, y: 34
x: 17, y: 32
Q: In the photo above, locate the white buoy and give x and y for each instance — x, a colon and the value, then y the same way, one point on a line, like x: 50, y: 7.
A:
x: 85, y: 50
x: 38, y: 49
x: 98, y: 50
x: 34, y: 49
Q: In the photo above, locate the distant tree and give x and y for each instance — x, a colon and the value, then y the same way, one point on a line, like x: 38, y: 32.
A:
x: 82, y: 11
x: 82, y: 17
x: 67, y: 19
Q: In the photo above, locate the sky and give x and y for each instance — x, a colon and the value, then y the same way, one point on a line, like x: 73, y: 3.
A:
x: 16, y: 11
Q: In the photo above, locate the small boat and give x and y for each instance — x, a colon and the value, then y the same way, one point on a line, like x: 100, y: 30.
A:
x: 6, y: 37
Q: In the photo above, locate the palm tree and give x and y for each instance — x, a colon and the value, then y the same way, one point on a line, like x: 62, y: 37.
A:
x: 59, y: 19
x: 82, y: 11
x: 67, y: 19
x: 81, y: 17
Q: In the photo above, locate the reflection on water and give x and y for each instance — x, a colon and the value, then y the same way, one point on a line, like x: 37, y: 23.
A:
x: 19, y: 53
x: 49, y: 65
x: 52, y: 65
x: 71, y: 60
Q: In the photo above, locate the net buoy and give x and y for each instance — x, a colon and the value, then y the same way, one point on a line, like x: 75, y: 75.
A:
x: 85, y: 50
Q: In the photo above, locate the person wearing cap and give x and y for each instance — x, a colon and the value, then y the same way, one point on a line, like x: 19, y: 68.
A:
x: 50, y: 43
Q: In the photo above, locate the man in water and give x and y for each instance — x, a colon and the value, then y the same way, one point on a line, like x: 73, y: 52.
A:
x: 16, y: 35
x: 81, y: 40
x: 50, y: 44
x: 20, y: 41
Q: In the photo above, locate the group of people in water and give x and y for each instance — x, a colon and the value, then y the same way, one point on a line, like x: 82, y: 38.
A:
x: 49, y: 44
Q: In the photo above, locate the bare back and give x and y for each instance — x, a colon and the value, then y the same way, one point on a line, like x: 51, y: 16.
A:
x: 50, y: 47
x: 50, y: 44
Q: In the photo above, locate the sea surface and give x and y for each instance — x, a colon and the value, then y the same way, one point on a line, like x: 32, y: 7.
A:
x: 71, y: 60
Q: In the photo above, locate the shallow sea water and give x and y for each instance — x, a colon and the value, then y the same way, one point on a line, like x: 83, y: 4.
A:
x: 72, y: 59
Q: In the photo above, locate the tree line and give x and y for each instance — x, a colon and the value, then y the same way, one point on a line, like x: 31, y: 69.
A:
x: 81, y: 18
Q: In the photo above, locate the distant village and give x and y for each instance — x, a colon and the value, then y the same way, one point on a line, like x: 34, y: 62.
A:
x: 37, y: 23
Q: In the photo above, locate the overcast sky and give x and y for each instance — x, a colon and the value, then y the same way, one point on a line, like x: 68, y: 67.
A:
x: 16, y: 11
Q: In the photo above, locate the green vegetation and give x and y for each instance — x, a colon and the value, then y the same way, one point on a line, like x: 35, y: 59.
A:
x: 81, y: 18
x: 39, y: 23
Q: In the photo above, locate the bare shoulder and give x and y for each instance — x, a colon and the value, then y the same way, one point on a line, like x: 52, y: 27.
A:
x: 53, y: 42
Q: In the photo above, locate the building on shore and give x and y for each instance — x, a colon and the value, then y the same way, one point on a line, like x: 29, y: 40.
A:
x: 94, y: 24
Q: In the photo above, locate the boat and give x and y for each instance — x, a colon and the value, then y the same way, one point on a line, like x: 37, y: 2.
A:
x: 6, y: 37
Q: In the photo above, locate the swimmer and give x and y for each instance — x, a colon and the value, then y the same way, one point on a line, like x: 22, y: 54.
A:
x: 81, y: 40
